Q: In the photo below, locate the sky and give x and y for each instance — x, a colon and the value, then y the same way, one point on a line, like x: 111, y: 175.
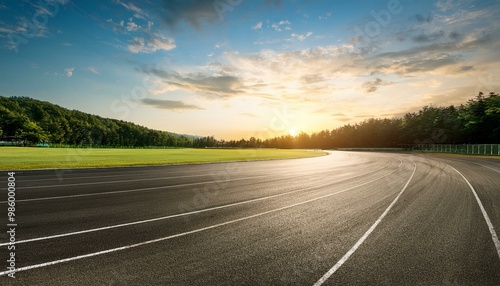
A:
x: 239, y: 68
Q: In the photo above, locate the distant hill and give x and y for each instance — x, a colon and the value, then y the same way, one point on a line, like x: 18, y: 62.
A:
x: 40, y: 121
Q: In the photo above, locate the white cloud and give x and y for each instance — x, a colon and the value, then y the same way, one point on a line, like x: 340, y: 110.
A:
x: 93, y: 70
x: 446, y: 5
x: 20, y: 29
x: 6, y: 30
x: 28, y: 29
x: 434, y: 47
x: 463, y: 17
x: 295, y: 76
x: 137, y: 45
x: 69, y: 72
x: 62, y: 2
x: 158, y: 42
x: 326, y: 16
x: 301, y: 37
x: 131, y: 26
x: 257, y: 26
x: 42, y: 9
x: 139, y: 13
x: 166, y: 44
x: 285, y: 24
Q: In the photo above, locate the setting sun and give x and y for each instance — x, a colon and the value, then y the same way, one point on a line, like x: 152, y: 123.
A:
x: 292, y: 132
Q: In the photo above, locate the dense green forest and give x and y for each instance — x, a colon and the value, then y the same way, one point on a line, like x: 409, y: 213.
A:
x: 39, y: 121
x: 476, y: 121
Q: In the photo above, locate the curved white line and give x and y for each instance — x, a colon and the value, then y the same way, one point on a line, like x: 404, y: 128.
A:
x: 136, y: 190
x: 142, y: 189
x: 109, y: 182
x: 493, y: 233
x: 489, y: 168
x: 121, y: 181
x: 185, y: 233
x: 365, y: 236
x: 469, y: 162
x: 88, y: 177
x: 185, y: 214
x: 117, y: 181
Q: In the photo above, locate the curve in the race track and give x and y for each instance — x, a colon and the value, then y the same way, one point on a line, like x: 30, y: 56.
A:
x: 349, y: 218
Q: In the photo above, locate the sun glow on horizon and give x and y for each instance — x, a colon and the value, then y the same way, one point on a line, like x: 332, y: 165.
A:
x: 272, y: 72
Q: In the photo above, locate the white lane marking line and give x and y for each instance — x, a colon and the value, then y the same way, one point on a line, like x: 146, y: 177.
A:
x: 119, y: 181
x: 132, y: 173
x: 146, y: 189
x: 187, y: 232
x: 365, y: 236
x: 185, y: 214
x: 86, y: 177
x: 156, y: 219
x: 108, y: 182
x: 136, y: 190
x: 493, y: 233
x: 489, y: 168
x: 469, y: 162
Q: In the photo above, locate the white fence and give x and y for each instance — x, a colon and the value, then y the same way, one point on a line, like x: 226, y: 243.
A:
x: 474, y: 149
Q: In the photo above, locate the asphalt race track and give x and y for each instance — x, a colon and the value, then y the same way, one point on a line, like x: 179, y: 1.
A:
x: 349, y: 218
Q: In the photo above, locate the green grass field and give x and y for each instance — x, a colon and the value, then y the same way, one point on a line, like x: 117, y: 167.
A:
x: 19, y: 158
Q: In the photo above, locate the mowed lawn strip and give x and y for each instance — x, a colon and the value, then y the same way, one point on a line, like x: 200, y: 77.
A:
x: 23, y: 158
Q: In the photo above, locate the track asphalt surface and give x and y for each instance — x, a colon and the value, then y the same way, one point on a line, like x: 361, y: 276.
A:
x: 348, y: 218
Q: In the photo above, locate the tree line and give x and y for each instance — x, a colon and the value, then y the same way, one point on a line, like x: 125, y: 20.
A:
x: 476, y: 121
x: 38, y: 121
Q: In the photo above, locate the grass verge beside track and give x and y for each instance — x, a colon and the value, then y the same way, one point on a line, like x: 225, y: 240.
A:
x: 22, y: 158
